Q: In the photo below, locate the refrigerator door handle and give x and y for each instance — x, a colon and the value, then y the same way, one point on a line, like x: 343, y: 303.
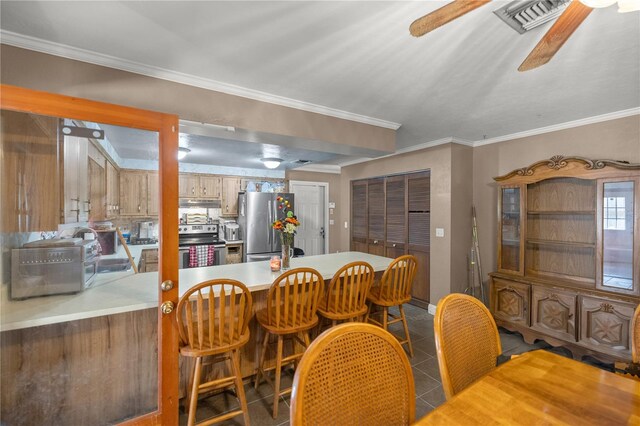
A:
x: 269, y: 239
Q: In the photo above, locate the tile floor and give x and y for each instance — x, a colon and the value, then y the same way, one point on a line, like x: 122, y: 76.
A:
x: 429, y: 392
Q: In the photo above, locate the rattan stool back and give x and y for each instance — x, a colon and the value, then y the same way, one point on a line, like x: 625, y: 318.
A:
x: 353, y: 374
x: 467, y: 341
x: 397, y: 280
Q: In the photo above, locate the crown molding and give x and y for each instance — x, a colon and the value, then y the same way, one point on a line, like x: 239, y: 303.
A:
x: 70, y: 52
x: 319, y: 168
x: 561, y: 126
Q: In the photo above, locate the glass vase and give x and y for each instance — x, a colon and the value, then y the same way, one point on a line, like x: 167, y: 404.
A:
x: 287, y: 253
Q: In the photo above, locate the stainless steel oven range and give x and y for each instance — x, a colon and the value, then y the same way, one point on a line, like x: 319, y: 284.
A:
x: 56, y: 266
x: 198, y: 236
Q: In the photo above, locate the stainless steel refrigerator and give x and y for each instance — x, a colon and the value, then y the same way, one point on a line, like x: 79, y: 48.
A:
x: 256, y: 212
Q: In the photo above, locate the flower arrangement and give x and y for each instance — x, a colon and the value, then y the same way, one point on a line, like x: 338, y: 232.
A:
x: 289, y: 224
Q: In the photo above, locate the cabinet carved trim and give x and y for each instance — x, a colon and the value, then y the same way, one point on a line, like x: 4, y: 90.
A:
x: 558, y: 162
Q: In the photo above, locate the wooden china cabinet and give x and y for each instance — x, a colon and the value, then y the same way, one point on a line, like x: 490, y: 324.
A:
x: 569, y: 254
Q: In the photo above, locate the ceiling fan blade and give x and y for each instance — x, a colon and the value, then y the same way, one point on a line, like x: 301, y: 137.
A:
x: 445, y: 14
x: 560, y: 32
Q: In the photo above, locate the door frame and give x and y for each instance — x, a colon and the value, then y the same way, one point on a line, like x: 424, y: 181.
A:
x: 326, y: 205
x: 43, y: 103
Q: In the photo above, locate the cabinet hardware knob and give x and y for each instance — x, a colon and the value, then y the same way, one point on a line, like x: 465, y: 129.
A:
x: 394, y: 244
x: 375, y: 241
x: 139, y: 208
x: 204, y: 190
x: 167, y: 307
x: 166, y: 285
x: 193, y: 189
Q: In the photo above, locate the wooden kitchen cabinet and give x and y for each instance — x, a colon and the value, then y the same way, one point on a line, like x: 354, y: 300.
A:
x: 210, y: 187
x: 148, y: 261
x: 29, y: 172
x: 76, y: 178
x: 153, y: 194
x: 391, y: 217
x: 113, y: 190
x: 230, y: 189
x: 133, y: 193
x: 187, y: 185
x: 97, y: 191
x: 569, y: 254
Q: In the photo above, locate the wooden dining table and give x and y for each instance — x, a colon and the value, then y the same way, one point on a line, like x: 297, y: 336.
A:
x: 541, y: 387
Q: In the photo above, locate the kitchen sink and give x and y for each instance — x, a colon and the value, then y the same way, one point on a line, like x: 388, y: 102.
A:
x: 113, y: 265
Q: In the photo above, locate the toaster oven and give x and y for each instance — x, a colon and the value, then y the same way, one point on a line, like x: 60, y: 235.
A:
x: 43, y: 271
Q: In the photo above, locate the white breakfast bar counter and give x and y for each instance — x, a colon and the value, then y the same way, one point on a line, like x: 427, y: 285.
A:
x: 118, y: 292
x: 92, y: 357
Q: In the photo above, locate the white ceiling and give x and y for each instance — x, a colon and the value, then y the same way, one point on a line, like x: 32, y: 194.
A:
x: 460, y: 81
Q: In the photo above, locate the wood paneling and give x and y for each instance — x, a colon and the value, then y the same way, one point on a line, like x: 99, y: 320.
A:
x: 562, y: 194
x: 89, y: 372
x: 30, y: 201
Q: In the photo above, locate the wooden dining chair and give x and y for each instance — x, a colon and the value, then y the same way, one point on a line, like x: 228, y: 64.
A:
x: 213, y: 319
x: 346, y: 296
x: 353, y: 374
x: 292, y: 303
x: 394, y: 289
x: 467, y: 341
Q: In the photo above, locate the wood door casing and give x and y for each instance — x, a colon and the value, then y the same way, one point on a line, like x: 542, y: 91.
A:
x: 36, y: 102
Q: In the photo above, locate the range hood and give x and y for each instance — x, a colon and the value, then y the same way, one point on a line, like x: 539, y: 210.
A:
x: 209, y: 204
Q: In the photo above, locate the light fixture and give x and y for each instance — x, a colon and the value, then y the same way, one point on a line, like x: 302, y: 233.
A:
x: 182, y: 152
x: 271, y: 163
x: 597, y: 3
x: 623, y: 5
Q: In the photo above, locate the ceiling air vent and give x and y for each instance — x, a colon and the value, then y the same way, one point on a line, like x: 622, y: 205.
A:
x: 522, y: 16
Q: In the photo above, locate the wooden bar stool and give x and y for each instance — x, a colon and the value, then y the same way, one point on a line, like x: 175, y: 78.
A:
x: 394, y: 289
x: 346, y: 296
x: 292, y: 302
x: 213, y: 319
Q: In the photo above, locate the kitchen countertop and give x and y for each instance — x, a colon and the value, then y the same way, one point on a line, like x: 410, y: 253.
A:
x: 124, y: 291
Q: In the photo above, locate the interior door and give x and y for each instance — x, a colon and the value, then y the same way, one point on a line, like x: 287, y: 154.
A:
x: 91, y: 357
x: 311, y: 211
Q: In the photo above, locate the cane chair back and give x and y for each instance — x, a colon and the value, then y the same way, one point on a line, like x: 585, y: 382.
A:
x: 467, y: 341
x: 213, y: 316
x: 346, y: 295
x: 395, y: 285
x: 293, y: 300
x: 635, y: 336
x: 353, y: 374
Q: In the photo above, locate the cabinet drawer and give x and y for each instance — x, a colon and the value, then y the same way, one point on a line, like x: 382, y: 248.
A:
x: 605, y: 325
x: 510, y: 301
x: 151, y: 256
x: 554, y: 312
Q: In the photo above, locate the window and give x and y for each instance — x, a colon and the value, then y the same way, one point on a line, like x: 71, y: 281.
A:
x: 614, y: 214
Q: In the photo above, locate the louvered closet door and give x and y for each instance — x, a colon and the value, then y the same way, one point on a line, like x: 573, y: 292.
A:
x: 396, y: 204
x: 359, y: 228
x: 376, y: 215
x: 419, y: 215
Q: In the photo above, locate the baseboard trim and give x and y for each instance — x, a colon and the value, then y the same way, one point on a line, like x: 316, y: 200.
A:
x: 431, y: 309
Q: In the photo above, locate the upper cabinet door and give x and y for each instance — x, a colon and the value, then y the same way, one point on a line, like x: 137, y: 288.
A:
x: 211, y: 187
x: 618, y: 262
x: 187, y: 186
x: 510, y: 248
